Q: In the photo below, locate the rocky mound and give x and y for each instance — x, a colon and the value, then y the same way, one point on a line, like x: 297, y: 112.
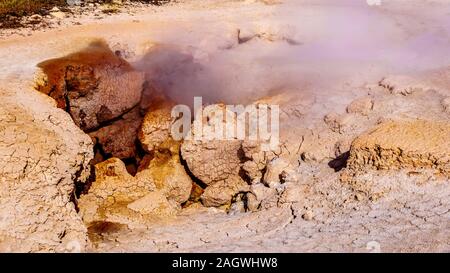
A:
x: 215, y: 162
x: 42, y: 153
x: 117, y: 197
x: 403, y: 144
x: 93, y: 85
x: 233, y: 170
x: 127, y: 120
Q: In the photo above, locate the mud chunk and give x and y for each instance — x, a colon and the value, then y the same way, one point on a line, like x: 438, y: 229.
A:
x: 168, y: 174
x: 294, y: 192
x: 269, y: 32
x: 403, y: 85
x: 339, y: 123
x: 274, y: 170
x: 403, y: 144
x: 318, y: 145
x: 258, y: 194
x: 253, y: 171
x: 154, y: 132
x: 42, y: 155
x: 93, y: 85
x: 152, y: 203
x: 222, y: 192
x: 119, y: 138
x: 257, y: 160
x: 214, y: 160
x: 226, y: 165
x: 361, y: 106
x: 163, y: 163
x: 342, y: 146
x: 116, y: 196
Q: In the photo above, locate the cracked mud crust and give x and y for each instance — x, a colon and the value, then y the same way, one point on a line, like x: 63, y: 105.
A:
x: 394, y: 145
x: 364, y: 140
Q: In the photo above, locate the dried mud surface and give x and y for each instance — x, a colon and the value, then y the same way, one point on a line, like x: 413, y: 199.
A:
x: 363, y: 164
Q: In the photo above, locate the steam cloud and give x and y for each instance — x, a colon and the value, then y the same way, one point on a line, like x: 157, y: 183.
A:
x: 299, y: 47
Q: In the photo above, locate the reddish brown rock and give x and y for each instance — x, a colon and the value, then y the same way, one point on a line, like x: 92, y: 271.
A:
x: 119, y: 138
x: 93, y: 85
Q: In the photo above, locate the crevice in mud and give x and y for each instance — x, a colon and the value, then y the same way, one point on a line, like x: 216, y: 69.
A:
x: 73, y: 198
x: 339, y: 162
x: 242, y: 196
x: 140, y: 152
x: 191, y: 175
x: 198, y: 187
x: 109, y: 122
x: 243, y: 173
x: 241, y: 155
x: 294, y: 215
x: 83, y: 188
x: 195, y: 195
x: 67, y: 108
x: 79, y: 186
x: 99, y: 153
x: 62, y: 235
x: 263, y: 172
x: 131, y: 165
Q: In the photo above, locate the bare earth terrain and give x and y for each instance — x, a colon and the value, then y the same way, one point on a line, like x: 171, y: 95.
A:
x: 88, y: 164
